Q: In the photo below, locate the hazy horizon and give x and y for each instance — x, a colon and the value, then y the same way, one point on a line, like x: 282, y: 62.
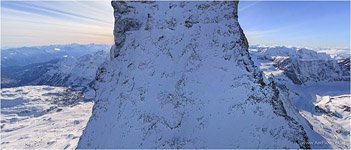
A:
x: 311, y: 24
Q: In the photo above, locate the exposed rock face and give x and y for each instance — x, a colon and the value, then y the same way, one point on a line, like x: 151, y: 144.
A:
x: 78, y: 73
x: 301, y: 65
x: 301, y: 71
x: 181, y: 77
x: 345, y: 68
x: 306, y: 78
x: 72, y: 65
x: 72, y: 72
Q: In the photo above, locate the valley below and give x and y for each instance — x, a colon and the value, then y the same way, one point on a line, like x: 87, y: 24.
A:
x: 42, y: 117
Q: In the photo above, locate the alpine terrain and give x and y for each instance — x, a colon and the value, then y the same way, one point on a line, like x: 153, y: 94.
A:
x: 72, y: 65
x: 47, y: 117
x: 42, y: 117
x: 317, y: 85
x: 181, y: 76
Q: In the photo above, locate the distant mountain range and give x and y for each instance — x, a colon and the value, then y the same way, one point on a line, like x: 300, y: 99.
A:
x: 72, y: 65
x: 75, y: 65
x: 297, y: 72
x: 39, y: 54
x: 301, y: 65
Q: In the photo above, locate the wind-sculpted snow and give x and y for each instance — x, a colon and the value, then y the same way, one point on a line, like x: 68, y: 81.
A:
x: 180, y: 76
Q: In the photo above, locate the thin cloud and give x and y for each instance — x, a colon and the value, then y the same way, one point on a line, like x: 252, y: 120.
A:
x: 46, y: 11
x: 33, y: 23
x: 247, y: 6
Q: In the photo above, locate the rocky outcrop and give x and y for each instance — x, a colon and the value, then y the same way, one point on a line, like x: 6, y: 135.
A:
x: 300, y: 71
x: 180, y: 76
x: 78, y: 73
x: 73, y: 72
x: 71, y: 65
x: 301, y: 65
x: 344, y: 65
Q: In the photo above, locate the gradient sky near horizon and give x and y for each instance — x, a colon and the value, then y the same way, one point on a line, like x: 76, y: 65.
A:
x: 319, y: 24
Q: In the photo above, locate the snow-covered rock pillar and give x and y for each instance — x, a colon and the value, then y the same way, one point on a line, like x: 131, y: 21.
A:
x: 181, y: 77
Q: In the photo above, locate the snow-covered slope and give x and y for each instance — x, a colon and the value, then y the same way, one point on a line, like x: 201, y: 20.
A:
x: 181, y: 77
x: 42, y: 117
x: 334, y: 119
x: 326, y: 106
x: 325, y: 102
x: 69, y: 72
x: 73, y: 65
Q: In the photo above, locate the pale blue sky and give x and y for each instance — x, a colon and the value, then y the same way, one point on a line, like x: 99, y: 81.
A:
x: 302, y: 24
x: 305, y: 24
x: 26, y: 23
